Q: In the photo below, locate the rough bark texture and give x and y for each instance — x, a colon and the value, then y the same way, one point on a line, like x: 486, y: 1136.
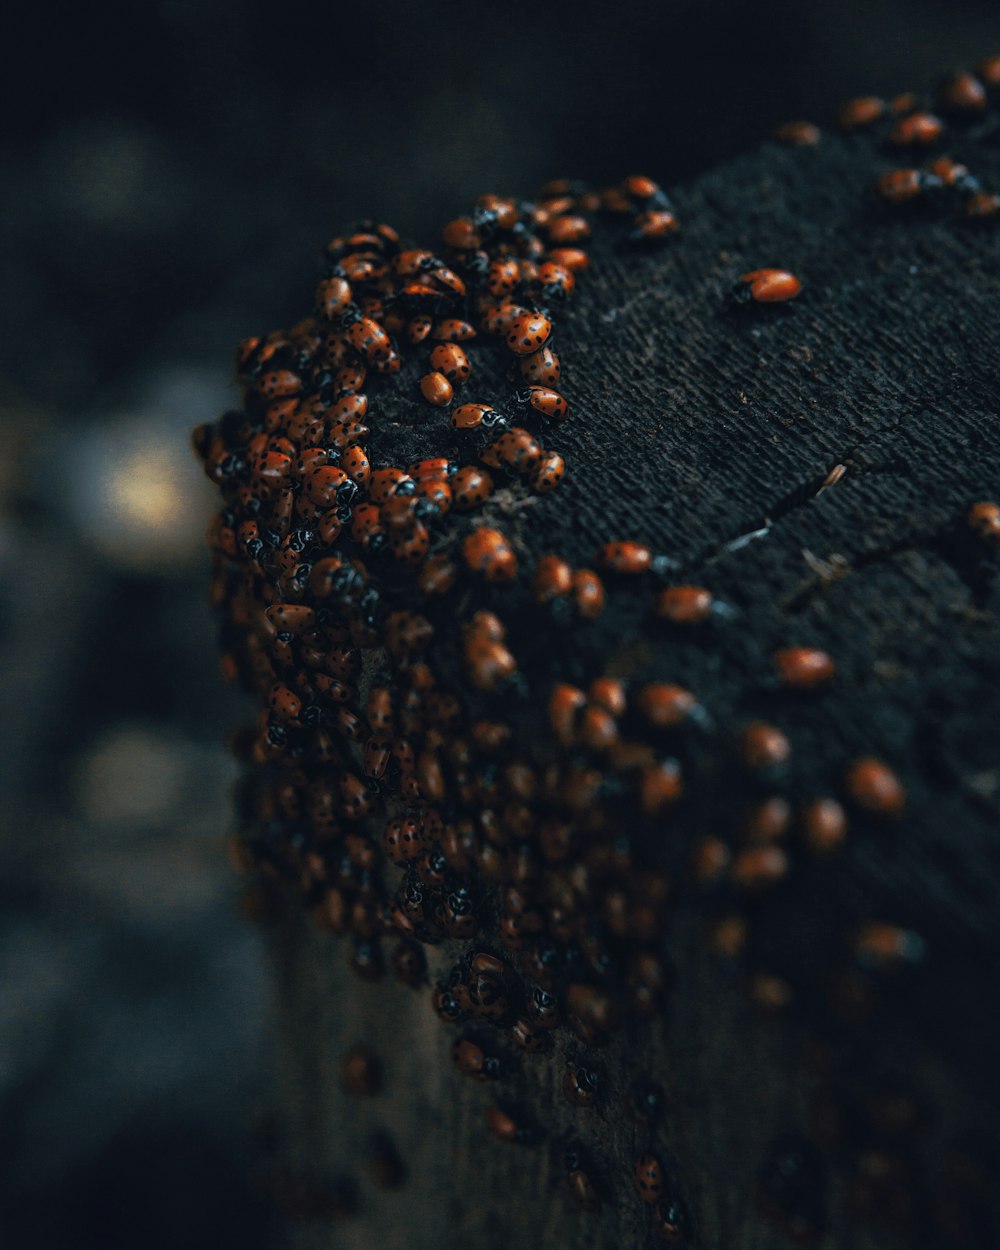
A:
x: 694, y: 425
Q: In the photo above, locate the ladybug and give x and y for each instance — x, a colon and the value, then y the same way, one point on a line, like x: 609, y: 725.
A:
x: 403, y: 840
x: 450, y: 360
x: 565, y: 705
x: 803, y: 668
x: 648, y: 1177
x: 498, y: 318
x: 278, y: 383
x: 580, y: 1184
x: 453, y: 330
x: 608, y: 693
x: 376, y: 758
x: 344, y: 434
x: 553, y: 579
x: 285, y: 703
x: 797, y: 134
x: 671, y: 1223
x: 446, y: 1005
x: 528, y: 1036
x: 824, y: 825
x: 367, y: 528
x: 579, y: 1086
x: 624, y: 557
x: 875, y: 788
x: 528, y: 332
x: 768, y: 821
x: 919, y: 130
x: 361, y: 1072
x: 437, y: 576
x: 356, y: 465
x: 548, y: 402
x: 473, y: 1060
x: 666, y: 706
x: 418, y: 328
x: 764, y: 746
x: 653, y: 225
x: 488, y: 663
x: 487, y: 552
x: 332, y: 296
x: 516, y: 449
x: 407, y: 634
x: 963, y: 95
x: 660, y: 786
x: 685, y: 605
x: 503, y: 276
x: 984, y: 519
x: 292, y: 618
x: 885, y: 946
x: 541, y: 367
x: 386, y: 484
x: 461, y: 234
x: 370, y: 341
x: 588, y: 594
x: 436, y: 389
x: 506, y: 1128
x: 457, y: 914
x: 981, y: 206
x: 556, y: 281
x: 904, y: 186
x: 472, y: 416
x: 989, y: 71
x: 767, y: 286
x: 860, y: 112
x: 567, y: 229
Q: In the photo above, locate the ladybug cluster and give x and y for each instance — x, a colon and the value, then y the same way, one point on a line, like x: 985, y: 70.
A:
x: 363, y: 603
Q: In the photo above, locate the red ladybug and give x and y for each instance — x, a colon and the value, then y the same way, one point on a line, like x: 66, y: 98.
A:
x: 553, y: 578
x: 824, y: 825
x: 764, y: 746
x: 684, y: 605
x: 547, y: 473
x: 503, y: 276
x: 653, y: 225
x: 804, y: 668
x: 874, y: 787
x: 624, y: 557
x: 515, y: 449
x: 860, y: 112
x: 541, y: 367
x: 548, y: 402
x: 798, y: 134
x: 487, y: 551
x: 453, y: 330
x: 588, y: 594
x: 768, y: 286
x: 528, y: 332
x: 648, y: 1177
x: 919, y: 130
x: 403, y: 841
x: 472, y: 416
x: 436, y: 389
x: 450, y: 360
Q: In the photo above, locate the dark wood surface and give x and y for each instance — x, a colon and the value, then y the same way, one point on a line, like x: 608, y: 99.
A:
x: 695, y: 424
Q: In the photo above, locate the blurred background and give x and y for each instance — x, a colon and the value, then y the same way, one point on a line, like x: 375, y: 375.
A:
x: 170, y: 172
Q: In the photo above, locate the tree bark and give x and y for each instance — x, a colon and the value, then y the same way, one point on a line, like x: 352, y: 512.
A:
x: 706, y: 431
